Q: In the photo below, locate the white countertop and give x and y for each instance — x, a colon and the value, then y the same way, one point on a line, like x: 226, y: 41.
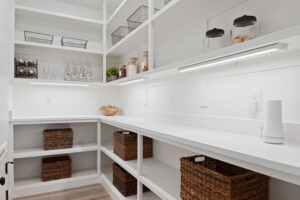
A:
x: 279, y: 161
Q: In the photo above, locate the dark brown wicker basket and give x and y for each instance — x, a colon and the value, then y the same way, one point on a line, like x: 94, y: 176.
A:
x: 125, y: 182
x: 56, y: 168
x: 58, y: 139
x: 125, y: 146
x: 211, y: 179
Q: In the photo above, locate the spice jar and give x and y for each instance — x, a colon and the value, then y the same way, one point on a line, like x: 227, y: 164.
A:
x: 145, y: 62
x: 215, y: 39
x: 122, y: 71
x: 132, y: 67
x: 244, y: 28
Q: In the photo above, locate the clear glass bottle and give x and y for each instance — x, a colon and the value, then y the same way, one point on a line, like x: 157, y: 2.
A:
x: 145, y: 62
x: 68, y: 73
x: 244, y: 28
x: 75, y: 73
x: 89, y: 74
x: 82, y: 74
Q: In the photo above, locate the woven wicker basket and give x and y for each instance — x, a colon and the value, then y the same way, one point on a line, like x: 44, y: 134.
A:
x: 210, y: 179
x: 56, y: 168
x: 58, y: 139
x: 125, y: 182
x: 125, y: 146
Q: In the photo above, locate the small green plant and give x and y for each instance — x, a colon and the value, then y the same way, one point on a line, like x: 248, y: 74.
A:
x: 112, y: 72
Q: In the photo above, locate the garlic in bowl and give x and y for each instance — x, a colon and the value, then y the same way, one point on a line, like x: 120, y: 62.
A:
x: 109, y: 110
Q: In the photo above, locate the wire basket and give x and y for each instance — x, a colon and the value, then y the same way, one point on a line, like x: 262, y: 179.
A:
x: 119, y: 34
x: 167, y: 1
x: 38, y: 37
x: 138, y: 17
x: 73, y: 42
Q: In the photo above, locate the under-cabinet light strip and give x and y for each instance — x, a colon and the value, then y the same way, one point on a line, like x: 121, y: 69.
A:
x: 59, y: 84
x: 236, y: 57
x: 132, y: 81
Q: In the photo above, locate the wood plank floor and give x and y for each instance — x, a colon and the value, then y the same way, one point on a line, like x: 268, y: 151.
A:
x: 92, y: 192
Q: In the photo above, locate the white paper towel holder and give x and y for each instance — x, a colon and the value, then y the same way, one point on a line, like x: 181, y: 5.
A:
x: 273, y: 128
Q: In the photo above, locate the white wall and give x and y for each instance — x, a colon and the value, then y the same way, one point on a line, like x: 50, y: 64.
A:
x: 63, y: 100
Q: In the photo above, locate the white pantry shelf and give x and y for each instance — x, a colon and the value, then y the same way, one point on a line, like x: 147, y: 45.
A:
x: 25, y: 187
x: 276, y: 161
x: 161, y: 178
x: 130, y: 166
x: 23, y: 10
x: 39, y: 152
x: 132, y: 40
x: 289, y: 36
x: 61, y: 83
x: 107, y: 179
x: 48, y: 46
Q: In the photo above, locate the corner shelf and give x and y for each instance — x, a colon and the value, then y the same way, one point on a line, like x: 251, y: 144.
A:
x: 39, y: 152
x: 38, y: 12
x: 48, y: 46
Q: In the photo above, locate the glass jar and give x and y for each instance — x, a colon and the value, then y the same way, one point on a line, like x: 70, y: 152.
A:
x: 68, y: 73
x: 132, y: 67
x: 74, y: 73
x: 215, y: 39
x: 122, y: 71
x: 244, y: 28
x: 144, y: 62
x: 82, y: 74
x: 89, y: 74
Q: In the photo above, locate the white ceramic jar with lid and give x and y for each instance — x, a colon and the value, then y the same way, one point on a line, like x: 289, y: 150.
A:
x: 244, y: 28
x: 215, y: 39
x: 132, y: 67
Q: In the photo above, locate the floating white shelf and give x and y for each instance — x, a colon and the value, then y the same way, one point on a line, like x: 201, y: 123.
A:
x: 38, y: 152
x: 107, y: 178
x: 130, y: 166
x: 39, y: 82
x: 290, y: 37
x: 35, y: 185
x: 116, y: 11
x: 38, y: 12
x: 48, y: 46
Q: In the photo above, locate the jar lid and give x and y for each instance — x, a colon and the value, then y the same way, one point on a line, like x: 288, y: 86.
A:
x: 244, y: 21
x: 214, y: 33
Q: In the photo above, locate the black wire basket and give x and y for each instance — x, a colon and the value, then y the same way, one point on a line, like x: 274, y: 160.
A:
x: 38, y: 37
x: 73, y: 42
x: 138, y: 17
x: 167, y: 1
x: 119, y: 34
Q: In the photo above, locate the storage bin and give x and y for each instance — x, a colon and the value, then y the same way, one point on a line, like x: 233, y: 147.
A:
x: 38, y: 37
x: 139, y: 16
x: 58, y: 139
x: 125, y: 182
x: 56, y: 168
x: 73, y: 42
x: 125, y: 145
x: 119, y: 34
x: 204, y: 178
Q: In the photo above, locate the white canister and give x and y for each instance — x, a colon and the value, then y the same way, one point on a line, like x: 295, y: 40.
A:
x: 132, y: 67
x: 273, y: 127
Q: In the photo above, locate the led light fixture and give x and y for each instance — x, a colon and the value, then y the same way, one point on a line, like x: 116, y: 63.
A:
x: 132, y: 81
x: 235, y: 57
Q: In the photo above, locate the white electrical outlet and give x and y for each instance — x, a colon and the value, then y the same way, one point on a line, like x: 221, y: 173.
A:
x: 255, y: 100
x: 48, y: 101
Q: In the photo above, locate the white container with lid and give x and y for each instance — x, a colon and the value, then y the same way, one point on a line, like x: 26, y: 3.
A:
x: 131, y: 68
x: 215, y: 39
x: 244, y: 28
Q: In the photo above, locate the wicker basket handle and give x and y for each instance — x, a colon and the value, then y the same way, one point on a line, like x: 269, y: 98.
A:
x: 251, y: 178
